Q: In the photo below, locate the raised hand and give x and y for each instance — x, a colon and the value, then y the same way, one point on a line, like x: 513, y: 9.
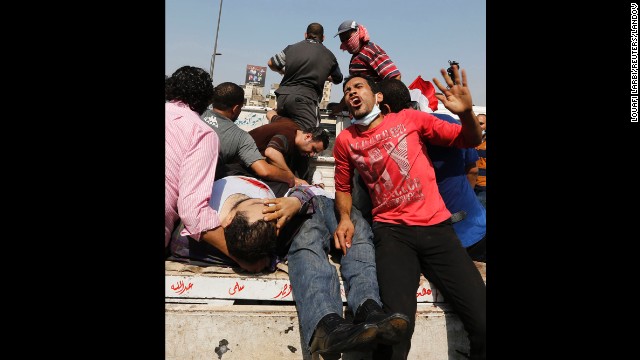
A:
x: 456, y: 97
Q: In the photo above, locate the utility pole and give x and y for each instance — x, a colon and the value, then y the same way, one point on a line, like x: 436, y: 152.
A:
x: 215, y: 46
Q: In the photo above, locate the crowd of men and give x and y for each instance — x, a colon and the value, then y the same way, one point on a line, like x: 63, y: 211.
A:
x: 405, y: 202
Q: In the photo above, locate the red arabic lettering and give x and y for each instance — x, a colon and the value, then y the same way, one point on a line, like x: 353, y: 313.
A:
x: 179, y: 287
x: 236, y: 288
x: 424, y: 292
x: 286, y: 290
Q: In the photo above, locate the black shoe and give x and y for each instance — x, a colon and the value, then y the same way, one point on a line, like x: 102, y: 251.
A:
x: 335, y: 335
x: 391, y: 328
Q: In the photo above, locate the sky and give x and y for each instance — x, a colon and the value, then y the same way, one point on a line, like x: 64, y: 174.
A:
x: 420, y: 36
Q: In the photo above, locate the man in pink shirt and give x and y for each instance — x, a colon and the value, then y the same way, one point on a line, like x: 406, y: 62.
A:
x: 412, y: 227
x: 191, y: 156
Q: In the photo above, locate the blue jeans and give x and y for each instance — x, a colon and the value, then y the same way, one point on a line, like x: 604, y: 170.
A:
x: 314, y: 281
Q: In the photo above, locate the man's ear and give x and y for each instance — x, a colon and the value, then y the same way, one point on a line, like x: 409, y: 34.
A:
x: 236, y: 109
x: 385, y: 108
x: 379, y: 97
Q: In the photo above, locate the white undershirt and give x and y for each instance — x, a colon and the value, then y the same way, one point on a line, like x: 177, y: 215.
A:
x: 231, y: 185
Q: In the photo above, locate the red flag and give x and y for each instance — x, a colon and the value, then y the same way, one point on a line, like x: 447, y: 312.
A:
x: 427, y: 89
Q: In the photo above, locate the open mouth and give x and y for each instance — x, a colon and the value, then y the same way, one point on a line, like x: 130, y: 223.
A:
x: 355, y: 102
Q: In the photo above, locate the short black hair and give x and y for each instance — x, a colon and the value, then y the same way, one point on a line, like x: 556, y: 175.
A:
x: 315, y: 31
x: 372, y: 83
x: 250, y: 242
x: 227, y: 95
x: 395, y: 94
x: 319, y: 134
x: 192, y: 86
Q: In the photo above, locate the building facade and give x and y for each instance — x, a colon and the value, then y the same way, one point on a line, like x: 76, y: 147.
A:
x: 253, y: 95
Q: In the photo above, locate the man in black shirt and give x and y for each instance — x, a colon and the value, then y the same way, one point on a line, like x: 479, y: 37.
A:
x: 306, y: 65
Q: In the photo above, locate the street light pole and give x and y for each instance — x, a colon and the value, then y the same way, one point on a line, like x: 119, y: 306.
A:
x: 215, y: 47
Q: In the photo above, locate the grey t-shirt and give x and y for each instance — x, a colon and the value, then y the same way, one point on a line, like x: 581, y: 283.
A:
x: 236, y: 145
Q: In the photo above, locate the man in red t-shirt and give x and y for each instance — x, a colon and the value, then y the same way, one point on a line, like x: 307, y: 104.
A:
x: 412, y: 228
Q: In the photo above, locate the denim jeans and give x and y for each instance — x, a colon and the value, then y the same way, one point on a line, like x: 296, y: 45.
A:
x: 314, y: 281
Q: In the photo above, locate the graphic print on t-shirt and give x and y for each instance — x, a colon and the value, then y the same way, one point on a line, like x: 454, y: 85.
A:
x: 399, y: 154
x: 372, y: 157
x: 211, y: 120
x: 255, y: 182
x: 377, y: 167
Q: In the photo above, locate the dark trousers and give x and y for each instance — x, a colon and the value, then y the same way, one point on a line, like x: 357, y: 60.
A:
x: 478, y: 251
x: 403, y: 253
x: 301, y: 109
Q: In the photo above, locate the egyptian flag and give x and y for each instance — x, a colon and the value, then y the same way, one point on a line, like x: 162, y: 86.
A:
x: 427, y: 89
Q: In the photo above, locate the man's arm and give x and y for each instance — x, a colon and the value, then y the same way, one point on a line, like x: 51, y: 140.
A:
x: 250, y: 156
x: 344, y: 232
x: 336, y: 76
x: 270, y: 172
x: 276, y: 158
x: 277, y: 62
x: 343, y: 201
x: 215, y: 237
x: 471, y: 129
x: 196, y: 180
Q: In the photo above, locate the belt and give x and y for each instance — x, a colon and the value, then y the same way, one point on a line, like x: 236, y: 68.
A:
x: 459, y: 216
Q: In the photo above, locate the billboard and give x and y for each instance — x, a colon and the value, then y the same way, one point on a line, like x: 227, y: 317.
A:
x: 256, y: 75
